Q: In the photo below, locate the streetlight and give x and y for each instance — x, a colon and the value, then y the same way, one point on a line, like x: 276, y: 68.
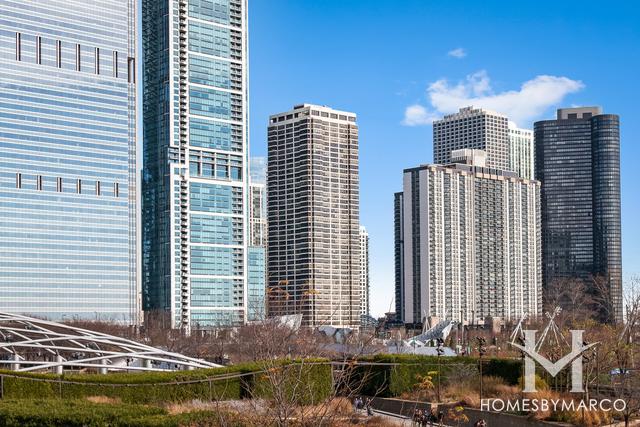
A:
x: 482, y: 350
x: 440, y: 351
x: 522, y: 343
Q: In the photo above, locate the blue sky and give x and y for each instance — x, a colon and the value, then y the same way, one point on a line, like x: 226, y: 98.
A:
x: 401, y: 63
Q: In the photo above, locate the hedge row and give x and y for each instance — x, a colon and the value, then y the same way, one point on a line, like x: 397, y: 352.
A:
x: 393, y: 380
x: 309, y: 381
x: 76, y: 413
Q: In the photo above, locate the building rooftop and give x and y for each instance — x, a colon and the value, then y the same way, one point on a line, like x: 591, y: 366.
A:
x: 470, y: 111
x: 578, y: 113
x: 322, y: 111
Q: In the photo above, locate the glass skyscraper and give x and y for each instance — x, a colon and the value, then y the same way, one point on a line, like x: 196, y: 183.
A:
x: 68, y: 159
x: 578, y: 162
x: 195, y: 198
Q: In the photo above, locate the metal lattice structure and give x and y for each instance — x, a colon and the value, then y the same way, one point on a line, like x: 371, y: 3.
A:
x: 28, y: 344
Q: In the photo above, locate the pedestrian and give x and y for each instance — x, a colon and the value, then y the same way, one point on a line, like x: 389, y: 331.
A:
x: 358, y: 403
x: 368, y: 407
x: 417, y: 416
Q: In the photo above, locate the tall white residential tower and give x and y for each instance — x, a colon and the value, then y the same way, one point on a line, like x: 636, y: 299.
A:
x: 470, y: 242
x: 521, y: 151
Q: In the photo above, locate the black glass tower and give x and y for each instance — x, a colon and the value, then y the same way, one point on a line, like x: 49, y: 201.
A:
x: 578, y: 162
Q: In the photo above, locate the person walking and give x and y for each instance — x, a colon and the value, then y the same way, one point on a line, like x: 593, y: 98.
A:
x: 368, y: 407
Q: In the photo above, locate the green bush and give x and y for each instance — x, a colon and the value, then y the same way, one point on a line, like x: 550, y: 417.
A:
x: 76, y: 413
x: 303, y: 383
x: 391, y: 381
x: 510, y: 370
x: 156, y: 387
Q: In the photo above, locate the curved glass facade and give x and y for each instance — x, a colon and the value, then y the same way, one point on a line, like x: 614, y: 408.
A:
x: 67, y: 159
x: 578, y: 162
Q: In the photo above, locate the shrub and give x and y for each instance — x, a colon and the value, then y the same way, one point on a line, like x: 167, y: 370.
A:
x: 510, y: 370
x: 390, y: 381
x: 156, y: 387
x: 76, y: 413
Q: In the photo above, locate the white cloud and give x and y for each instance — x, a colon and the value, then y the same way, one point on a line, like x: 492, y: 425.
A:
x: 457, y: 53
x: 417, y: 115
x: 522, y: 106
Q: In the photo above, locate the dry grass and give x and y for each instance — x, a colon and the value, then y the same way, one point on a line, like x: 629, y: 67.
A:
x: 336, y: 407
x: 104, y: 400
x: 198, y: 405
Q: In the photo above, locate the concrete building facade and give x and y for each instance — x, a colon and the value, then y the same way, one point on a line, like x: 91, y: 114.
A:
x: 364, y: 271
x: 313, y: 245
x: 521, y: 152
x: 473, y: 128
x: 467, y: 243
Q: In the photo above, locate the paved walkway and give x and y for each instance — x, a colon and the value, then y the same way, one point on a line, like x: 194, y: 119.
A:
x: 399, y: 420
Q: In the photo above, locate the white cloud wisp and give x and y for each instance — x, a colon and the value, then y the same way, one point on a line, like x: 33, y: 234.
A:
x: 458, y: 53
x: 522, y: 106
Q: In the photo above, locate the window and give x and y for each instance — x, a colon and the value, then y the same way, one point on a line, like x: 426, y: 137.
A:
x: 38, y: 50
x: 58, y: 53
x: 116, y: 189
x: 39, y: 183
x: 79, y: 186
x: 77, y: 57
x: 59, y: 185
x: 131, y: 70
x: 98, y: 190
x: 18, y: 180
x: 18, y: 47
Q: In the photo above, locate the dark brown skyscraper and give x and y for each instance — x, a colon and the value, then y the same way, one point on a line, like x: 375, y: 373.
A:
x: 313, y: 216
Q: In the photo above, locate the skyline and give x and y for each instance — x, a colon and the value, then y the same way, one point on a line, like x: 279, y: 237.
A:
x: 454, y: 67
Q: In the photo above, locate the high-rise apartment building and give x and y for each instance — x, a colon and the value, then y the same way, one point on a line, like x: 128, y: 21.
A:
x: 521, y: 151
x: 68, y: 160
x: 313, y: 216
x: 258, y: 202
x: 195, y: 188
x: 578, y: 162
x: 364, y: 271
x: 256, y: 309
x: 473, y: 128
x: 398, y: 252
x: 467, y: 243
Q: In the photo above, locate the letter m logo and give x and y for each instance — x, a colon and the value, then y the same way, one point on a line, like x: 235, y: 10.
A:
x: 574, y: 358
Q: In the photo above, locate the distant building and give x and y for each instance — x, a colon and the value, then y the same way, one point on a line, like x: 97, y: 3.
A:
x: 256, y: 269
x: 578, y: 162
x: 69, y: 208
x: 521, y: 151
x: 473, y: 128
x: 467, y: 242
x: 258, y: 170
x: 256, y: 283
x: 257, y: 214
x: 364, y: 271
x: 313, y: 216
x: 398, y: 249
